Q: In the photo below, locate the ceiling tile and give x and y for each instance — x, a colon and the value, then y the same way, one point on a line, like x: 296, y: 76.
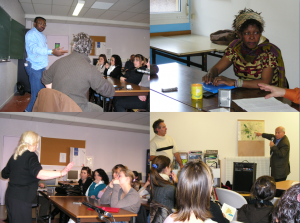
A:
x: 89, y: 114
x: 63, y: 2
x: 28, y: 1
x: 93, y: 13
x: 18, y: 117
x: 28, y: 8
x: 42, y: 9
x: 140, y: 7
x: 139, y: 18
x: 46, y: 120
x: 88, y: 3
x: 60, y: 10
x: 109, y: 1
x: 81, y: 13
x: 124, y: 16
x: 129, y: 117
x: 146, y: 21
x: 109, y: 14
x: 61, y: 122
x: 110, y: 116
x: 46, y: 2
x: 86, y: 23
x: 121, y: 6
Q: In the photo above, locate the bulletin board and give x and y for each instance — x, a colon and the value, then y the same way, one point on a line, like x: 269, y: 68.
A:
x: 248, y: 143
x: 52, y: 147
x: 101, y: 39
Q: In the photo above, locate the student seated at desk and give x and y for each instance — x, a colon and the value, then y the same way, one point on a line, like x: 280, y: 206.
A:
x: 114, y: 69
x: 136, y: 181
x: 254, y: 58
x: 145, y: 190
x: 132, y: 75
x: 100, y: 182
x: 101, y: 63
x: 260, y: 208
x: 120, y: 193
x: 85, y: 179
x: 288, y: 207
x: 135, y: 102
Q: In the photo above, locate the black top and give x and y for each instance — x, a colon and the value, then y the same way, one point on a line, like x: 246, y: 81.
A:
x: 132, y: 76
x: 22, y: 173
x: 129, y: 65
x: 85, y: 186
x: 217, y: 214
x: 116, y: 73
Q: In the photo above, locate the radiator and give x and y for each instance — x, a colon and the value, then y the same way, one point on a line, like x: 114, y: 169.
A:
x: 263, y: 165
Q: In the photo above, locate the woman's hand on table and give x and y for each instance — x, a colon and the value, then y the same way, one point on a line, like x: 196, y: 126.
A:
x: 122, y: 79
x: 223, y: 80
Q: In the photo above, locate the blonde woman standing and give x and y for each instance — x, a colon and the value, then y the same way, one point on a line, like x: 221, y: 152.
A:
x: 24, y: 172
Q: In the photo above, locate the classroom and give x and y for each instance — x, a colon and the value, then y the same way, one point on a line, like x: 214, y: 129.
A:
x: 121, y: 30
x: 182, y: 45
x: 109, y: 139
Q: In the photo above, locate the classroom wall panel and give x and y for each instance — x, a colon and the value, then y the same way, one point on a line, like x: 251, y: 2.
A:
x: 198, y: 131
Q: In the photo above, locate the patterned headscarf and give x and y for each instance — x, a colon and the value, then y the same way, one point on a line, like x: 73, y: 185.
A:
x: 245, y: 15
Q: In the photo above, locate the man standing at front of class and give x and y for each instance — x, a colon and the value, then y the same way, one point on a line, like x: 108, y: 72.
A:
x: 37, y: 57
x: 280, y: 153
x: 162, y: 144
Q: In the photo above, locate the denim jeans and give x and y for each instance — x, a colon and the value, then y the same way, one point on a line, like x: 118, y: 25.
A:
x: 36, y: 85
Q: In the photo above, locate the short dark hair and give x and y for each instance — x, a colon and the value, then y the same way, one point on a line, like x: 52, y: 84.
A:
x: 251, y: 22
x: 263, y: 189
x: 156, y: 124
x: 102, y: 174
x: 288, y: 207
x: 36, y: 18
x: 88, y: 170
x: 118, y: 61
x: 136, y: 174
x: 194, y: 182
x: 104, y: 57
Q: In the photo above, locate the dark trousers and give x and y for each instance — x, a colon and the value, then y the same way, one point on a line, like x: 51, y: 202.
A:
x: 279, y: 193
x: 123, y: 103
x: 18, y: 211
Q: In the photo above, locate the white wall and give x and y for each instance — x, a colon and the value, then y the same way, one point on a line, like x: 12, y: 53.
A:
x: 9, y: 70
x: 109, y: 147
x: 198, y: 131
x: 123, y: 41
x: 282, y: 27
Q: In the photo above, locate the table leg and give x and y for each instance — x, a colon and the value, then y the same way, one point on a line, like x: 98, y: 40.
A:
x: 204, y: 61
x: 153, y: 56
x: 104, y: 104
x: 78, y: 220
x: 188, y: 63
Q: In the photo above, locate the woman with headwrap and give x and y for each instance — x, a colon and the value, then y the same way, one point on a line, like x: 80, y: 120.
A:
x: 254, y: 58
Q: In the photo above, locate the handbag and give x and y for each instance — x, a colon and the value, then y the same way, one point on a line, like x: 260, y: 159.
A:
x: 223, y: 37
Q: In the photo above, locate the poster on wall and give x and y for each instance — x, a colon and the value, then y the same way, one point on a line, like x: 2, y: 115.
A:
x: 100, y: 48
x: 248, y: 143
x: 77, y: 155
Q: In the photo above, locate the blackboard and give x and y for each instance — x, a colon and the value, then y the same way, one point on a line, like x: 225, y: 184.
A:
x: 12, y: 37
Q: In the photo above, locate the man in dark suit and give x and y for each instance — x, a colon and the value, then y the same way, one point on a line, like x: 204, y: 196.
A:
x: 280, y: 153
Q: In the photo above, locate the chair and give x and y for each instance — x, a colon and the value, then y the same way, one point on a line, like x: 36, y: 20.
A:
x: 50, y: 100
x: 275, y: 200
x: 231, y: 198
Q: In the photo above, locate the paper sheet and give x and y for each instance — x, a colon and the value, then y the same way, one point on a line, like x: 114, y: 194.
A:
x: 263, y: 105
x: 229, y: 211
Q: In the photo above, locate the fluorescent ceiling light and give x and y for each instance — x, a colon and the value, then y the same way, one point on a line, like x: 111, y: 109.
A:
x: 78, y: 8
x: 101, y: 5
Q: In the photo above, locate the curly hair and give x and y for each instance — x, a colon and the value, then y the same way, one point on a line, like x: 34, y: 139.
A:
x: 288, y: 207
x: 247, y: 17
x: 118, y: 61
x: 83, y: 43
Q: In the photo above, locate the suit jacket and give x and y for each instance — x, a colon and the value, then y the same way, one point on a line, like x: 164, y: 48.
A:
x: 280, y: 164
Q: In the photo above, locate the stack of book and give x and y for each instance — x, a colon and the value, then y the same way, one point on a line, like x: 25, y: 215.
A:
x: 211, y: 158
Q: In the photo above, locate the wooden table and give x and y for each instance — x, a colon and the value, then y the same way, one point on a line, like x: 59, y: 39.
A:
x: 135, y: 91
x: 177, y: 75
x: 188, y: 45
x: 79, y: 213
x: 284, y: 185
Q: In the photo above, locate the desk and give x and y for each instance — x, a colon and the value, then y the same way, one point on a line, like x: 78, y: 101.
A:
x: 136, y: 90
x: 79, y: 213
x: 177, y: 75
x: 284, y: 185
x: 184, y: 45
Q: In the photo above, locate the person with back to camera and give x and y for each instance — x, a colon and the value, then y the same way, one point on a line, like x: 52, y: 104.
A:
x: 260, y: 208
x: 287, y: 209
x: 24, y: 172
x: 193, y: 194
x: 162, y: 188
x: 254, y: 58
x: 73, y: 75
x: 115, y: 67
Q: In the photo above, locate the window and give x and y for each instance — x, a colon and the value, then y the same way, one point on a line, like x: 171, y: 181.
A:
x: 168, y: 11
